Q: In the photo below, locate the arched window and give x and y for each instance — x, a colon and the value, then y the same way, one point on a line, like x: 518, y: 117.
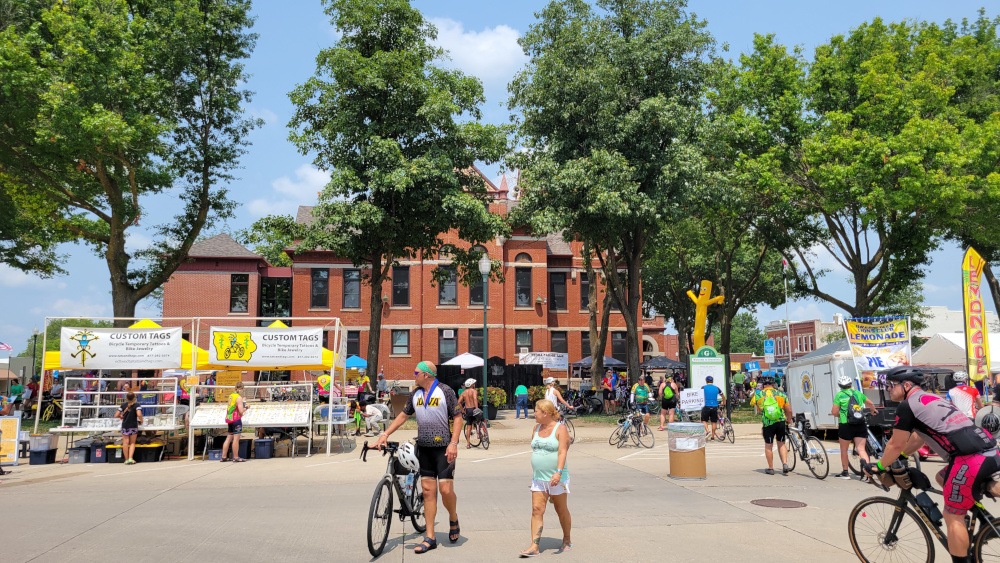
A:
x: 523, y: 257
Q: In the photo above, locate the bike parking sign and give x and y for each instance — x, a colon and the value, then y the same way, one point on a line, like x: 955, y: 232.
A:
x: 769, y: 350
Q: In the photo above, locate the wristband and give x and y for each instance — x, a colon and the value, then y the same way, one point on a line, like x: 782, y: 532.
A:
x: 559, y: 471
x: 452, y: 443
x: 879, y: 465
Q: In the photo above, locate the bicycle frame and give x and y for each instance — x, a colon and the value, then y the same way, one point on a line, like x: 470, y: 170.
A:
x: 406, y: 508
x: 906, y: 497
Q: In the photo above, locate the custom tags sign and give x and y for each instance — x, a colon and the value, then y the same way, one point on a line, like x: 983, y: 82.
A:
x: 92, y: 348
x: 248, y: 346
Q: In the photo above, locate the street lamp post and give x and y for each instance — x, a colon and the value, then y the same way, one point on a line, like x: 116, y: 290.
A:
x: 484, y: 269
x: 34, y: 351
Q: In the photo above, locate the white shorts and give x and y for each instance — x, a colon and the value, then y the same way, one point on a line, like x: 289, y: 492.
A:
x: 540, y: 486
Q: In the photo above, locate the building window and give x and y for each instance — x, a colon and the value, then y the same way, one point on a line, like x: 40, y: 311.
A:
x: 352, y: 289
x: 812, y: 342
x: 320, y: 292
x: 585, y: 344
x: 619, y: 348
x: 476, y: 342
x: 798, y: 343
x: 476, y: 293
x: 584, y: 291
x: 354, y: 343
x: 522, y: 341
x: 557, y: 291
x: 448, y: 290
x: 522, y: 287
x: 400, y: 342
x: 276, y: 297
x: 239, y: 293
x: 447, y: 345
x: 400, y: 286
x: 559, y: 342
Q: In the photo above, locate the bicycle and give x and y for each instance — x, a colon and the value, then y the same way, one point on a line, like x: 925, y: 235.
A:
x: 566, y: 414
x: 886, y: 529
x: 631, y: 426
x: 406, y: 485
x: 479, y: 433
x: 874, y: 446
x: 809, y: 448
x: 727, y: 428
x: 52, y: 410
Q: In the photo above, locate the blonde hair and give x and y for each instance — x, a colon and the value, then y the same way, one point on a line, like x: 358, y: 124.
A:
x: 547, y: 406
x: 239, y: 386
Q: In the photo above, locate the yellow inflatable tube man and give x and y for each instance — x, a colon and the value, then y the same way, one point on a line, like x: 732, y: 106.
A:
x: 701, y: 303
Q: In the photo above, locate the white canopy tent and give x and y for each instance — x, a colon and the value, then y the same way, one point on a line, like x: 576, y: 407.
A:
x: 947, y: 349
x: 465, y: 360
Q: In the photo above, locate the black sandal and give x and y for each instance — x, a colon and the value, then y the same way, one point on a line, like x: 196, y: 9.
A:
x: 454, y: 532
x: 426, y: 545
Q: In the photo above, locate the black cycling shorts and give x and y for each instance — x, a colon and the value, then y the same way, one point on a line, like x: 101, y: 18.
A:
x: 434, y: 462
x: 469, y: 416
x: 608, y: 395
x: 710, y: 414
x: 775, y: 432
x: 670, y: 403
x: 849, y: 432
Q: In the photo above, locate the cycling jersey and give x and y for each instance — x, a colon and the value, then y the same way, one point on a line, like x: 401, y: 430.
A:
x: 941, y: 426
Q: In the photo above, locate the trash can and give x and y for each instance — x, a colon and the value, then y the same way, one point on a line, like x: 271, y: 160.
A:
x: 244, y: 447
x: 686, y: 442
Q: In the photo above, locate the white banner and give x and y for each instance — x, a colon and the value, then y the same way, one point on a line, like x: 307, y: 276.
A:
x: 551, y: 360
x: 119, y: 348
x: 248, y: 346
x: 692, y: 399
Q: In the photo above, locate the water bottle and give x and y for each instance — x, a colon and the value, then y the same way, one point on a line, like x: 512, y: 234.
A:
x: 929, y: 508
x: 402, y: 482
x: 409, y: 484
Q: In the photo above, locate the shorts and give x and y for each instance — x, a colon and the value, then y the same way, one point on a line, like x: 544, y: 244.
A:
x: 541, y: 486
x: 234, y: 427
x: 470, y: 416
x: 642, y: 407
x: 710, y: 414
x: 960, y: 491
x: 434, y: 463
x: 775, y: 432
x: 608, y: 395
x: 130, y: 431
x: 670, y: 403
x: 851, y: 431
x: 184, y: 402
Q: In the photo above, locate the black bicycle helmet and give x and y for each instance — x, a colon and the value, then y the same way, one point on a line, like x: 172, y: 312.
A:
x: 991, y: 423
x: 767, y: 380
x: 914, y: 375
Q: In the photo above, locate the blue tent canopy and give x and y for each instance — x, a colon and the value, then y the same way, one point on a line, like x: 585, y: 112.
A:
x: 356, y: 362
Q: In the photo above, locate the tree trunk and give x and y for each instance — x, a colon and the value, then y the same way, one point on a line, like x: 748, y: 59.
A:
x: 598, y: 336
x: 376, y: 304
x: 123, y: 296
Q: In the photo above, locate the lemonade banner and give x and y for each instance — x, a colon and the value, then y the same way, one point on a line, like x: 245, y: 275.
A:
x: 977, y: 346
x: 265, y: 347
x: 879, y: 343
x: 120, y: 348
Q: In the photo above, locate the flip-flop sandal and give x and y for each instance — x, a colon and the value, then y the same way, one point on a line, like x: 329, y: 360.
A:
x: 239, y: 460
x: 421, y: 548
x: 454, y: 533
x: 566, y: 547
x: 225, y: 459
x: 526, y: 554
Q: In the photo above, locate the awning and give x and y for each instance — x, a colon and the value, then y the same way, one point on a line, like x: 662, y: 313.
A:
x: 609, y: 362
x: 52, y: 356
x: 465, y: 360
x: 661, y: 362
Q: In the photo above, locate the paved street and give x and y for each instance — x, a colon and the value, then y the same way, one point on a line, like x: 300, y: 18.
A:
x: 624, y: 506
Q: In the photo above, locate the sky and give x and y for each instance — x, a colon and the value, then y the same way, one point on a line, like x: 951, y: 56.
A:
x: 481, y: 38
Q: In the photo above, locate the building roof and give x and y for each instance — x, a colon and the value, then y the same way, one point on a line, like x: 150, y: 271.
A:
x: 555, y: 245
x: 304, y: 215
x: 220, y: 246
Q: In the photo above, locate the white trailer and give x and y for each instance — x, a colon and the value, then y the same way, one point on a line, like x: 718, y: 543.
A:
x: 811, y: 382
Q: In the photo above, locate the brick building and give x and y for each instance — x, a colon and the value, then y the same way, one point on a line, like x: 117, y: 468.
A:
x: 541, y: 305
x: 806, y: 336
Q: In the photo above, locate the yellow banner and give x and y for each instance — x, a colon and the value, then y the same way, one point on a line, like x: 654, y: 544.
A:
x: 977, y: 346
x: 878, y: 344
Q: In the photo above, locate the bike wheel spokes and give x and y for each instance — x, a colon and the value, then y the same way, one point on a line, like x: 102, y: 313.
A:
x: 646, y: 438
x: 879, y: 533
x: 484, y: 435
x: 616, y: 435
x: 379, y: 517
x: 571, y: 430
x: 417, y: 503
x: 474, y: 438
x: 729, y: 432
x: 853, y: 459
x: 987, y: 544
x: 817, y: 460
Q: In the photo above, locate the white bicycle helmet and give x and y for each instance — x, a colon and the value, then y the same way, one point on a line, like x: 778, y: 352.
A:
x: 844, y: 381
x: 960, y: 376
x: 470, y: 382
x: 407, y: 456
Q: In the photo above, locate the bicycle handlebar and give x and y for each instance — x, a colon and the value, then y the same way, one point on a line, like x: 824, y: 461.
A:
x: 390, y: 447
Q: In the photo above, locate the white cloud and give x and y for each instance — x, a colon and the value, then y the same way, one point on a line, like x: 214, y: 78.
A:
x: 267, y: 115
x: 932, y: 288
x: 290, y: 193
x: 136, y: 241
x: 819, y: 257
x: 11, y: 277
x: 80, y: 307
x: 491, y: 54
x: 806, y: 312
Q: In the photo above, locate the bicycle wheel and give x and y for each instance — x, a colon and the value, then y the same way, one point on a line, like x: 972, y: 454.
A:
x: 474, y: 438
x: 623, y: 436
x: 49, y: 411
x: 854, y: 459
x: 728, y: 432
x: 654, y: 407
x: 615, y: 438
x: 792, y: 442
x: 570, y: 429
x: 987, y: 544
x: 879, y: 531
x: 484, y: 435
x: 417, y: 502
x: 379, y: 517
x: 816, y: 458
x: 646, y: 438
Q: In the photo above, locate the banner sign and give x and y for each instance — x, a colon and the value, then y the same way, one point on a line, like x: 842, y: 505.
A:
x: 248, y: 346
x: 878, y: 344
x: 705, y: 363
x: 551, y: 360
x: 692, y: 399
x: 977, y: 347
x: 119, y: 348
x: 753, y: 366
x: 10, y: 430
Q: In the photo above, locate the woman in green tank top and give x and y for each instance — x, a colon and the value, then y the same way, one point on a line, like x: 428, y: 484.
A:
x: 550, y: 474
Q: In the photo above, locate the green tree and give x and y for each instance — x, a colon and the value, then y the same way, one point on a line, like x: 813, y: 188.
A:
x: 25, y: 244
x: 270, y: 236
x: 110, y: 103
x: 746, y: 335
x: 384, y: 119
x: 51, y: 338
x: 609, y: 108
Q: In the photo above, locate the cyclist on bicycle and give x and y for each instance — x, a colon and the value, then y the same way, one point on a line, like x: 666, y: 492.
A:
x: 965, y: 398
x: 640, y: 398
x: 553, y: 394
x: 970, y: 452
x: 469, y: 402
x: 849, y: 431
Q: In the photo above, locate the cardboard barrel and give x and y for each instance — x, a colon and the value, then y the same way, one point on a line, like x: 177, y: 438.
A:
x: 686, y: 442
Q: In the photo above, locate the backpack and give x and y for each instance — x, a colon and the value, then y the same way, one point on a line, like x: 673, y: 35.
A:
x: 233, y: 412
x: 668, y: 391
x: 770, y: 407
x: 855, y: 409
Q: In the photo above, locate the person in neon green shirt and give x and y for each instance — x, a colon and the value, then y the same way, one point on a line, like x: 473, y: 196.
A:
x: 846, y: 432
x: 521, y: 398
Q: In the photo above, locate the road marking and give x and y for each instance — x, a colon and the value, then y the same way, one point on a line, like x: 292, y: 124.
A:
x: 154, y: 469
x: 501, y: 457
x: 332, y: 462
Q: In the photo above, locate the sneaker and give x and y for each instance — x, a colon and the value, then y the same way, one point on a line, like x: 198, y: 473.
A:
x: 843, y: 475
x: 784, y: 469
x: 769, y: 471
